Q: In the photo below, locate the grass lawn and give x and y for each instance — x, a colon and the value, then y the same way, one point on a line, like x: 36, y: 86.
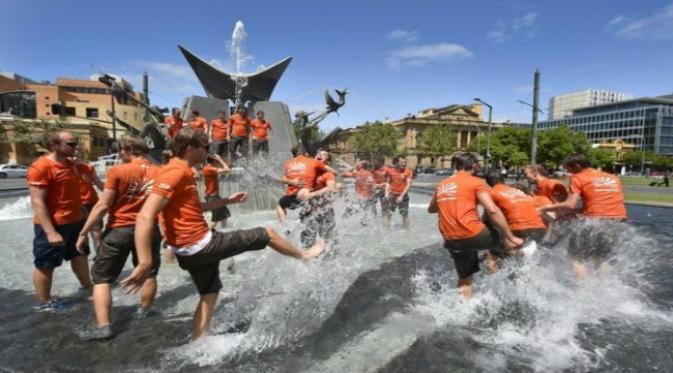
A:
x: 649, y: 197
x: 637, y: 180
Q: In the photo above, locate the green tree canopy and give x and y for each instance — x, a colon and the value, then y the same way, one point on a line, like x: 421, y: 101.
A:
x: 509, y: 145
x: 376, y: 139
x: 602, y: 158
x: 437, y: 141
x: 556, y: 144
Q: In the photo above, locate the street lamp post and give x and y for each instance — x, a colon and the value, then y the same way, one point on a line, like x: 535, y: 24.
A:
x: 533, y: 145
x: 488, y: 136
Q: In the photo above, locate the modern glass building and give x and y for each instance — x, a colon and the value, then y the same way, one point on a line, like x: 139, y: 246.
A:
x: 645, y: 122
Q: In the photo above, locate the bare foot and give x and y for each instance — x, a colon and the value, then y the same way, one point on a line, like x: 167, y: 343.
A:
x: 314, y: 251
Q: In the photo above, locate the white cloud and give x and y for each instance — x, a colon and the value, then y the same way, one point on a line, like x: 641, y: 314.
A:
x: 403, y: 35
x: 523, y: 26
x: 420, y: 55
x: 655, y: 26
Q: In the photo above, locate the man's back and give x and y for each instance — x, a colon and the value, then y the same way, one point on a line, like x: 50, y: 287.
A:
x: 601, y: 193
x: 457, y: 202
x: 303, y: 168
x: 518, y: 207
x: 132, y: 182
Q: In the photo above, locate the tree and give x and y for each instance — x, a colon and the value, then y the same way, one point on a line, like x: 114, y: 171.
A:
x: 509, y: 146
x: 556, y: 144
x: 602, y: 158
x: 376, y: 139
x: 635, y: 158
x: 437, y: 141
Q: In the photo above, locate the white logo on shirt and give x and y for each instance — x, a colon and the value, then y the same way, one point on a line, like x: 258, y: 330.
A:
x: 299, y: 167
x: 164, y: 186
x: 447, y: 191
x: 514, y: 195
x: 605, y: 184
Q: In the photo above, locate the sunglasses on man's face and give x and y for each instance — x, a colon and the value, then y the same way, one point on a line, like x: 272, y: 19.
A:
x: 72, y: 144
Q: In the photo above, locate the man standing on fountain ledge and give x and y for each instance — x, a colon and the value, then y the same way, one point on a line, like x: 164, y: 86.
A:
x: 397, y: 195
x: 174, y: 198
x: 219, y: 133
x: 197, y: 122
x: 55, y: 197
x: 174, y: 122
x: 239, y: 123
x: 456, y: 199
x: 260, y: 139
x: 603, y: 200
x: 126, y: 188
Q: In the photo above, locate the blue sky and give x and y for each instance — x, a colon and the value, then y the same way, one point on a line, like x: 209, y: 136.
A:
x: 396, y: 57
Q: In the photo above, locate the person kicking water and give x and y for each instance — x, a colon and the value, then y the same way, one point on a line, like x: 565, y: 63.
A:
x: 602, y: 200
x: 125, y: 190
x: 175, y: 200
x: 54, y: 195
x: 397, y: 193
x: 455, y: 201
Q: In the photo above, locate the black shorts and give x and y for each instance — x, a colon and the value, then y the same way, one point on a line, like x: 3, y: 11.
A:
x: 204, y: 266
x: 47, y: 256
x: 219, y: 214
x: 260, y: 146
x: 391, y: 205
x: 115, y: 246
x: 220, y: 147
x: 593, y: 238
x: 465, y: 252
x: 289, y: 202
x: 319, y: 220
x: 239, y: 144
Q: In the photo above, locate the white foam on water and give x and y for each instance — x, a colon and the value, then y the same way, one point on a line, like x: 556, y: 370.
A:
x: 17, y: 210
x: 534, y: 309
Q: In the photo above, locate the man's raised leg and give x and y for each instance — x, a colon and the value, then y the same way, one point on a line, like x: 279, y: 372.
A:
x: 284, y: 247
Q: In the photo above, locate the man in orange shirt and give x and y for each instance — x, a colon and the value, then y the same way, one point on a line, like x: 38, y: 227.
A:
x: 602, y: 199
x: 397, y: 195
x: 126, y: 188
x: 219, y: 133
x: 456, y: 199
x: 380, y: 172
x: 518, y: 208
x: 174, y: 198
x: 364, y: 185
x: 211, y: 178
x: 174, y: 122
x: 197, y: 122
x: 318, y: 214
x: 260, y: 134
x: 544, y: 186
x: 240, y: 131
x: 55, y: 197
x: 300, y: 173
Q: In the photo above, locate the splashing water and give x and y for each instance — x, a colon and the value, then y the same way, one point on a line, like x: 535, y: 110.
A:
x: 19, y: 209
x: 240, y: 58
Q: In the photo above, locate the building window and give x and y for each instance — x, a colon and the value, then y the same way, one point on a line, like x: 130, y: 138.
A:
x: 91, y: 112
x: 69, y: 111
x: 46, y: 97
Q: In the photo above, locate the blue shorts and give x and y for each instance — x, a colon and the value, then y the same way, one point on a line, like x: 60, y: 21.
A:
x: 47, y: 256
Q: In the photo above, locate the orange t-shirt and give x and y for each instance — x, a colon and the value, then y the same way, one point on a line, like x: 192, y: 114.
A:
x: 380, y: 175
x: 542, y: 201
x: 64, y: 202
x: 303, y: 168
x: 211, y: 179
x: 182, y: 219
x: 220, y: 130
x: 322, y: 180
x: 601, y: 193
x: 552, y: 189
x: 260, y: 129
x: 518, y: 208
x: 398, y: 179
x: 132, y: 183
x: 240, y: 127
x: 457, y: 201
x: 199, y: 124
x: 174, y: 125
x: 86, y: 190
x: 364, y: 183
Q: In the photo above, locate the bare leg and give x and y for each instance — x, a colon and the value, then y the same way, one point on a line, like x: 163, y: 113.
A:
x: 491, y: 262
x: 386, y: 221
x: 284, y: 246
x: 169, y: 256
x: 203, y: 315
x: 405, y: 222
x: 465, y: 287
x: 80, y: 267
x: 281, y: 213
x: 147, y: 293
x: 580, y: 269
x: 102, y: 303
x: 42, y: 282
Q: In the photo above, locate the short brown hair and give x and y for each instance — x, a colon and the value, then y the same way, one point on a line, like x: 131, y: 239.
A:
x: 536, y: 168
x: 134, y: 145
x: 51, y: 138
x: 187, y: 137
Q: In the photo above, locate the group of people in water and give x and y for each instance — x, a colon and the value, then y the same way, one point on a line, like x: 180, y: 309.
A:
x: 138, y: 193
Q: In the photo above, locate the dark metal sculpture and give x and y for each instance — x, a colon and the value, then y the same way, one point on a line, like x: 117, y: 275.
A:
x: 307, y: 123
x: 222, y: 85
